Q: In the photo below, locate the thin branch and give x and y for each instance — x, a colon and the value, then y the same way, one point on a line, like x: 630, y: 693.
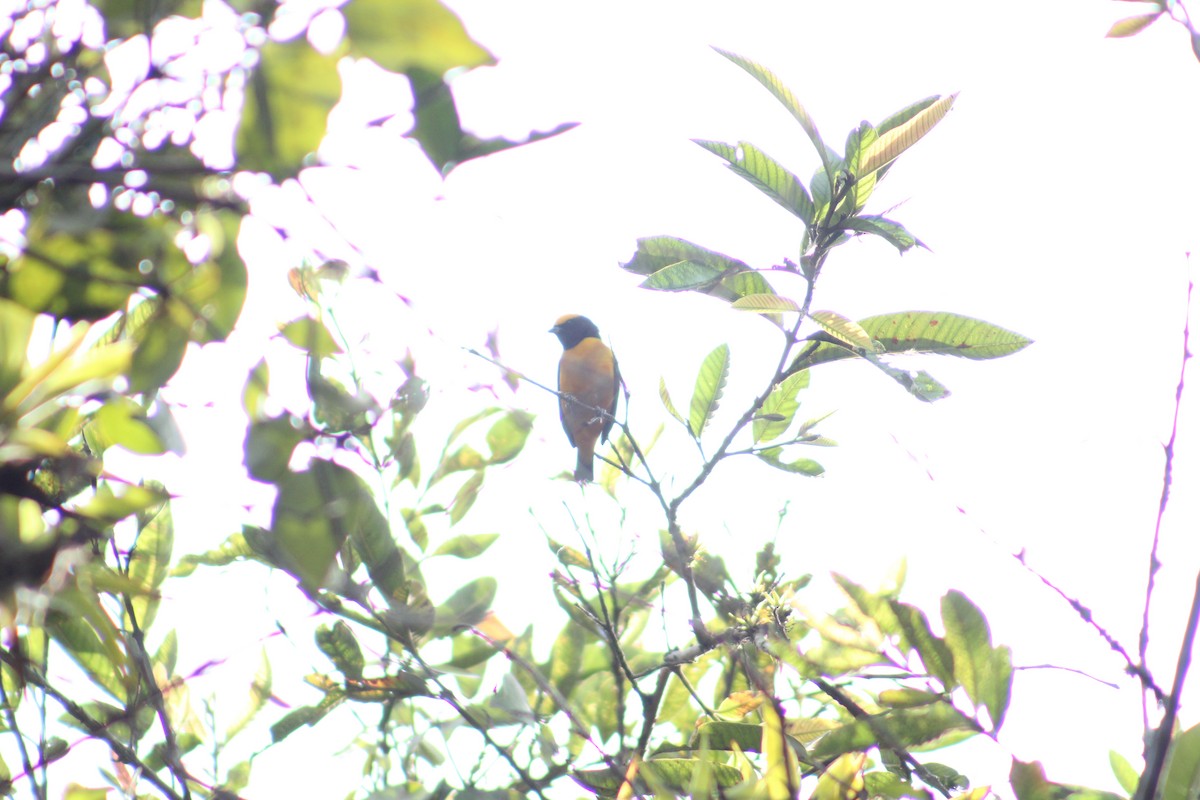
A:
x: 1160, y: 740
x: 11, y: 718
x: 1168, y: 463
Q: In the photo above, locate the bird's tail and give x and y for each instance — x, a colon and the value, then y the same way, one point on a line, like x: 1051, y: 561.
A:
x: 583, y: 467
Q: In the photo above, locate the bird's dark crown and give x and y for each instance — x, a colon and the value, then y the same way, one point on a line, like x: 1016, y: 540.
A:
x: 572, y: 329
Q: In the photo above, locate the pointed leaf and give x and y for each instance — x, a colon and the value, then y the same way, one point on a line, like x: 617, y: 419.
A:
x: 765, y: 304
x: 415, y: 33
x: 468, y: 606
x: 844, y: 330
x: 893, y: 233
x: 777, y: 411
x: 310, y: 336
x: 149, y: 560
x: 858, y: 143
x: 665, y: 396
x: 803, y: 466
x: 466, y: 546
x: 934, y: 332
x: 784, y: 96
x: 888, y: 147
x: 934, y: 653
x: 1132, y: 25
x: 984, y: 672
x: 766, y: 174
x: 710, y: 384
x: 339, y: 646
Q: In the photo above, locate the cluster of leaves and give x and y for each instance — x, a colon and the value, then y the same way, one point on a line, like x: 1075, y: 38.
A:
x: 118, y: 224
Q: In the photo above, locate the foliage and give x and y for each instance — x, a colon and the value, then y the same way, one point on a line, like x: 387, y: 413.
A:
x: 126, y: 258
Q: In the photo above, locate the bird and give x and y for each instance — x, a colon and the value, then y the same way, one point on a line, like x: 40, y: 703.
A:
x: 587, y: 383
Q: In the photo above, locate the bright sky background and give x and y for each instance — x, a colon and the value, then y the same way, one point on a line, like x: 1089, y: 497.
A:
x: 1059, y: 199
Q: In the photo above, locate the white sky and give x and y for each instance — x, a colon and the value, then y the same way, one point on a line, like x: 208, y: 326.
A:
x: 1059, y: 199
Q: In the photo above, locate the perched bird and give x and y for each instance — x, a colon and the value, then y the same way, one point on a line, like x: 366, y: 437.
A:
x: 588, y: 373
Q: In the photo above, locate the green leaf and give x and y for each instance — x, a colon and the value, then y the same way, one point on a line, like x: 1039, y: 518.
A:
x: 934, y: 653
x: 339, y: 646
x: 310, y: 336
x: 122, y: 422
x: 260, y: 693
x: 802, y: 466
x: 908, y: 727
x: 787, y: 99
x: 903, y: 135
x: 766, y: 174
x: 665, y: 396
x: 863, y: 181
x: 256, y: 391
x: 467, y: 606
x: 1124, y: 772
x: 765, y: 304
x: 466, y: 546
x: 775, y: 415
x: 507, y: 436
x: 149, y: 560
x: 235, y: 548
x: 269, y: 446
x: 844, y: 330
x: 89, y: 636
x: 893, y: 233
x: 465, y: 497
x: 161, y: 343
x: 1131, y: 26
x: 295, y: 719
x: 288, y: 99
x: 984, y: 672
x: 399, y: 36
x: 16, y: 326
x: 694, y: 266
x: 710, y: 384
x: 932, y: 332
x: 723, y: 735
x: 1183, y: 766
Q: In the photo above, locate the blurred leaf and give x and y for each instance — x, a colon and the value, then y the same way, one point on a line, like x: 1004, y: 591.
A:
x: 270, y: 444
x: 775, y: 415
x: 1183, y: 766
x: 507, y: 436
x: 1131, y: 26
x: 934, y: 653
x: 340, y: 646
x: 288, y: 99
x: 907, y: 727
x: 710, y: 384
x: 467, y: 606
x: 89, y: 636
x: 724, y: 735
x: 985, y: 672
x: 466, y: 546
x: 766, y: 174
x: 842, y: 779
x: 108, y: 506
x: 256, y: 391
x: 235, y: 548
x: 295, y: 719
x: 310, y: 336
x: 1124, y: 772
x: 400, y: 36
x: 465, y: 497
x: 161, y: 344
x: 122, y: 422
x: 16, y: 326
x: 150, y: 558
